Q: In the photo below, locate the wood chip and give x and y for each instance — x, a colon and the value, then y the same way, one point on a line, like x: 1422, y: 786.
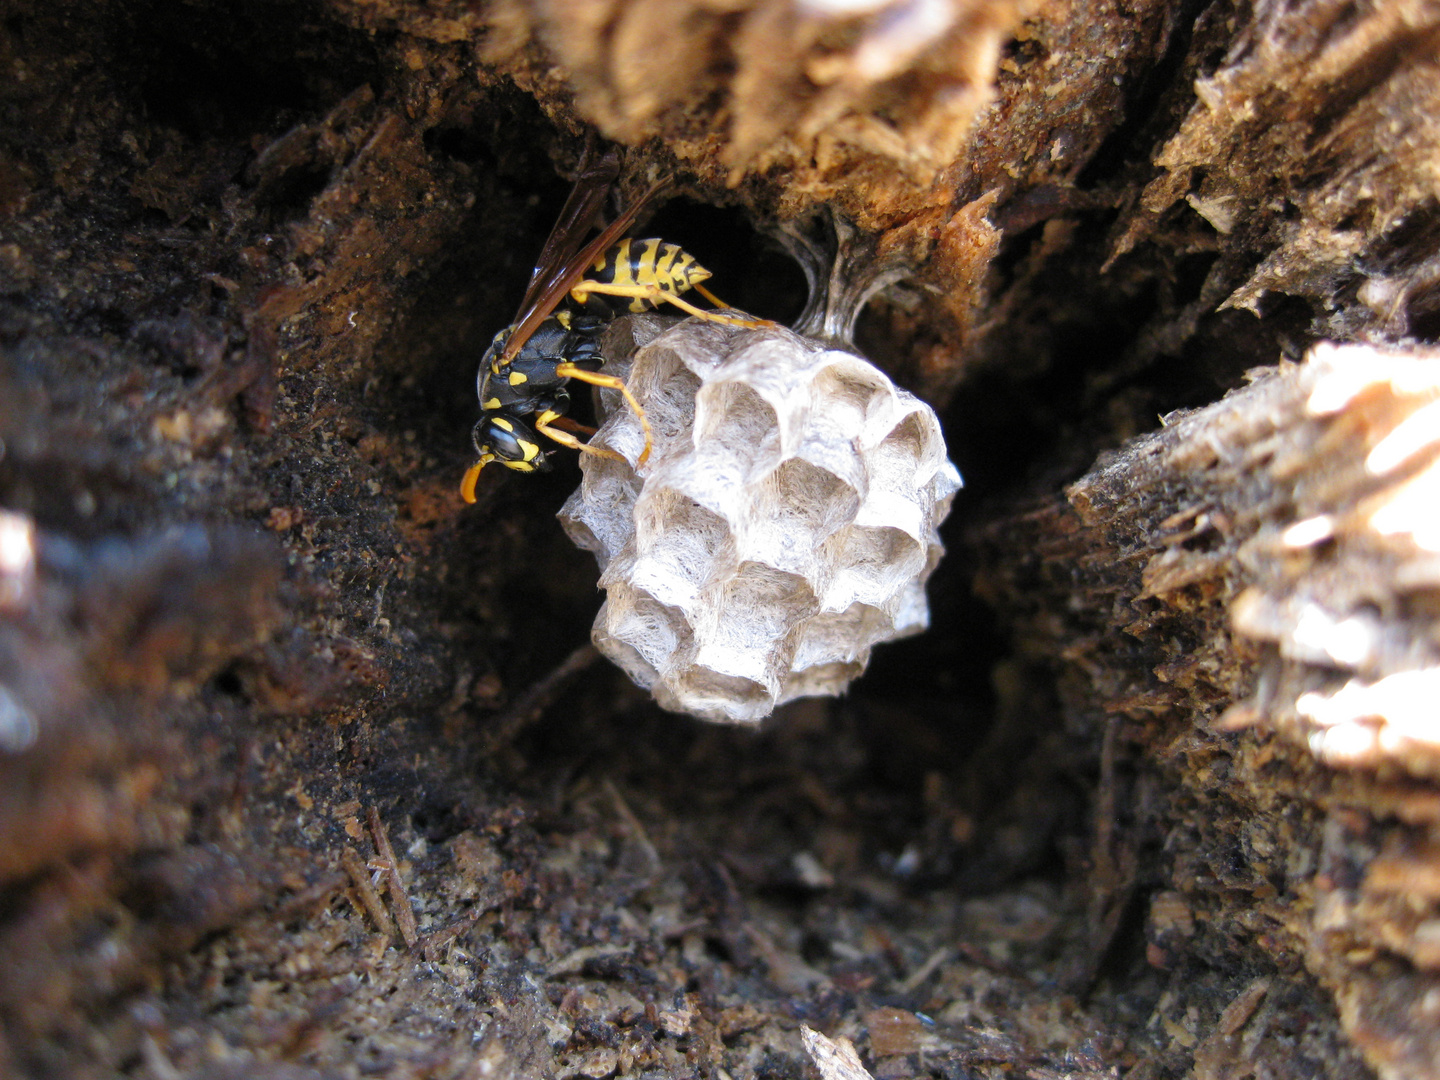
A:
x: 836, y: 1059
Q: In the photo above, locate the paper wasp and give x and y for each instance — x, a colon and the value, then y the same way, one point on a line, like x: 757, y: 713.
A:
x: 524, y: 373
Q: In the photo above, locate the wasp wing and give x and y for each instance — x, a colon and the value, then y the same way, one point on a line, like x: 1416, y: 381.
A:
x: 564, y: 277
x: 581, y: 209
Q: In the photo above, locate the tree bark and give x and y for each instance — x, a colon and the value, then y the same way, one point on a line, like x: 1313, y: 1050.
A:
x: 264, y: 679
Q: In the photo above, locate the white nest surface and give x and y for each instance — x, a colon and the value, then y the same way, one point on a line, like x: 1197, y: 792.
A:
x: 784, y: 523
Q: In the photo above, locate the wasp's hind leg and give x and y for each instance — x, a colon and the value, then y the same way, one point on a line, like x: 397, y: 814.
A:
x: 597, y: 378
x: 657, y: 296
x: 710, y: 296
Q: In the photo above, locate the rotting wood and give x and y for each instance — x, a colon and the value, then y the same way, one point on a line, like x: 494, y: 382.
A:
x: 1263, y: 571
x: 387, y: 865
x: 319, y: 208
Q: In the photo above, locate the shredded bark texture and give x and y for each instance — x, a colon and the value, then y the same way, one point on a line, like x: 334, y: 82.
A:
x: 306, y: 769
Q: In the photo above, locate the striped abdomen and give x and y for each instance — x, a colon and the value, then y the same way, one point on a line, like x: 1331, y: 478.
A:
x: 652, y: 263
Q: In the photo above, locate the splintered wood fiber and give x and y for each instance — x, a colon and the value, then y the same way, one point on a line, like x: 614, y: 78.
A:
x: 310, y: 770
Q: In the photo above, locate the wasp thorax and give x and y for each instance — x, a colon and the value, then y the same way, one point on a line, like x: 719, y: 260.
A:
x: 784, y: 524
x: 491, y: 358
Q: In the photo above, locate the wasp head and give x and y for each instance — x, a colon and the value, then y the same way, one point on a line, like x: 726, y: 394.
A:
x: 511, y: 442
x: 507, y: 440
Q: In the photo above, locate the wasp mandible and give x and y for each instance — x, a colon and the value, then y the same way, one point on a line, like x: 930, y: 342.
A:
x: 524, y: 373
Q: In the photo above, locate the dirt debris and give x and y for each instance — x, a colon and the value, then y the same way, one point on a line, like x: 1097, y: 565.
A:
x: 308, y: 772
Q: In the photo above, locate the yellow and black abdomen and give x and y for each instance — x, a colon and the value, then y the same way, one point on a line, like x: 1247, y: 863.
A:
x: 652, y: 264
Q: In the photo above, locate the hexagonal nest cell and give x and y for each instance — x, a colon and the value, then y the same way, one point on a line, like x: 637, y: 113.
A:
x: 785, y: 520
x: 308, y: 769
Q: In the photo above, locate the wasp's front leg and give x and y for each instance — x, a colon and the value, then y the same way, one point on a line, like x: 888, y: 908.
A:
x: 544, y: 424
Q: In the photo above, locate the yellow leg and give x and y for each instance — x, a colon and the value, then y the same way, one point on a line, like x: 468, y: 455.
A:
x: 656, y: 296
x: 595, y: 378
x: 564, y: 423
x: 564, y: 438
x: 708, y: 295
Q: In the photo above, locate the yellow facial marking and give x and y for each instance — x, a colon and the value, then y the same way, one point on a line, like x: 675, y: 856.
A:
x: 529, y: 449
x: 503, y: 424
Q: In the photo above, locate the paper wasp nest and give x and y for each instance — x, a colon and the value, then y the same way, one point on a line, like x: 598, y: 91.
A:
x: 784, y: 523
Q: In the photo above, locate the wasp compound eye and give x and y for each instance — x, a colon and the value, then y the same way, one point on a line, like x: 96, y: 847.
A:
x: 785, y: 523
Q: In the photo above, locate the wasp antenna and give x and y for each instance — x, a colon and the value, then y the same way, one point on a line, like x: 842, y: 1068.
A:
x: 467, y: 482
